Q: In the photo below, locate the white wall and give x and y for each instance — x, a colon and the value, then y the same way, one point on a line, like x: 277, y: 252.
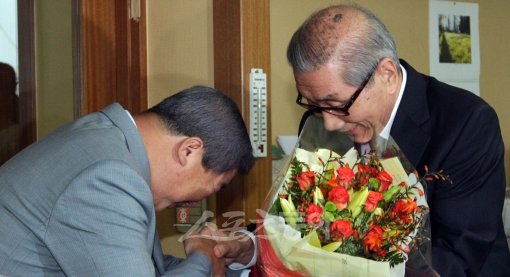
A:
x: 9, y: 33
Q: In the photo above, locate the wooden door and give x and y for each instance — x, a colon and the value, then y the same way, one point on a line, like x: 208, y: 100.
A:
x: 109, y: 54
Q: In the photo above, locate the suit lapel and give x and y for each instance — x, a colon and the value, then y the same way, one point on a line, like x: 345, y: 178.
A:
x: 411, y: 140
x: 409, y: 126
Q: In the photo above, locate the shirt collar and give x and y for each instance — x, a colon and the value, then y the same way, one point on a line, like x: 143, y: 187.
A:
x: 130, y: 116
x: 385, y: 133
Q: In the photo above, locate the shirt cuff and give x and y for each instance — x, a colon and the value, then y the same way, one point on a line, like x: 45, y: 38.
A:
x: 237, y: 266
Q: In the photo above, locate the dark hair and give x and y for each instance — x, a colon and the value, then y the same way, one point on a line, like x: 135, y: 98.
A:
x: 209, y: 114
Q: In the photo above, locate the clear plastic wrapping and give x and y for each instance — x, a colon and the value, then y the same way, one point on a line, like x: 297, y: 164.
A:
x: 334, y: 212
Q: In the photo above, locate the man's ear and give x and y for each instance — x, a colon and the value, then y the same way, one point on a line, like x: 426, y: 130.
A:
x: 190, y: 148
x: 388, y: 71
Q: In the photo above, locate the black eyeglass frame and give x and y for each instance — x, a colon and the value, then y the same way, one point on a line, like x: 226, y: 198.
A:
x: 342, y: 111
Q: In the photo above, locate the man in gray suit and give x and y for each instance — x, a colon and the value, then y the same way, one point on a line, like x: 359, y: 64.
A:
x: 82, y: 201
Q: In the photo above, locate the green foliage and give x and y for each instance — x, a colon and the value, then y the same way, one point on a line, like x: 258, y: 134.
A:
x: 330, y: 206
x: 351, y: 247
x: 456, y: 46
x: 395, y: 258
x: 275, y: 209
x: 362, y: 223
x: 373, y: 184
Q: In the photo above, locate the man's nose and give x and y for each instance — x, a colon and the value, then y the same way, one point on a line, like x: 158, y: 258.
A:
x: 332, y: 122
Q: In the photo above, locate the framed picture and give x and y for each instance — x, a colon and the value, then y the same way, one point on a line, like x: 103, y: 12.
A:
x: 454, y: 43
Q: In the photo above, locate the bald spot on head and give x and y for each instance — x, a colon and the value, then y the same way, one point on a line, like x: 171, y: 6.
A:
x: 327, y: 29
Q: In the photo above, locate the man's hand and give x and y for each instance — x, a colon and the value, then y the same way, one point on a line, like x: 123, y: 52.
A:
x: 204, y: 241
x: 234, y: 247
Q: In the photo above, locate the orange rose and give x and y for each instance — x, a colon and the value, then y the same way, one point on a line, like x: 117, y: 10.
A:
x: 339, y: 196
x: 373, y: 239
x: 341, y: 229
x: 372, y: 200
x: 305, y: 179
x: 366, y: 169
x: 365, y: 172
x: 345, y: 175
x: 385, y: 179
x: 313, y: 215
x: 333, y: 182
x: 403, y: 209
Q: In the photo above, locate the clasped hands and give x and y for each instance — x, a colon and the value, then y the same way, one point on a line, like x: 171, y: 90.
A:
x: 222, y: 248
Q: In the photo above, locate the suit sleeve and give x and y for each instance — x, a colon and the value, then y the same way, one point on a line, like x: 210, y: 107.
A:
x: 466, y: 215
x: 103, y: 224
x: 196, y: 264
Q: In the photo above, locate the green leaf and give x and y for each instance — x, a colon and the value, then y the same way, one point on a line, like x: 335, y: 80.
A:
x: 328, y: 216
x: 289, y: 211
x: 359, y: 198
x: 330, y: 206
x: 373, y: 184
x: 318, y: 197
x: 313, y: 239
x: 388, y: 195
x: 331, y: 247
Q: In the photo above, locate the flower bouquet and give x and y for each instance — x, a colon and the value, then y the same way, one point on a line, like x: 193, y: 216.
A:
x: 331, y: 214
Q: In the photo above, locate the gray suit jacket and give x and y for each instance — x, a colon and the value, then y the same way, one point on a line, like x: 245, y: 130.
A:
x: 78, y: 203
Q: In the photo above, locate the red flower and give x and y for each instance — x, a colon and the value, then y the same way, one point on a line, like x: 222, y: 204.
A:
x: 382, y: 253
x: 341, y: 229
x: 305, y: 179
x: 345, y: 175
x: 372, y: 200
x: 333, y: 182
x: 313, y: 214
x: 385, y: 179
x: 339, y: 196
x: 404, y: 208
x: 365, y: 172
x: 373, y: 239
x: 367, y: 169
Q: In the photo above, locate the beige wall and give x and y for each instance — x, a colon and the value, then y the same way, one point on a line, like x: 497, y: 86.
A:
x: 180, y: 54
x: 54, y: 70
x: 180, y: 46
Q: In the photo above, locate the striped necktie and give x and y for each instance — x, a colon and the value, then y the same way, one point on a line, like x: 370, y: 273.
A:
x: 365, y: 148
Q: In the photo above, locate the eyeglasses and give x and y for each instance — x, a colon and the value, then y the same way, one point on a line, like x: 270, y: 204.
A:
x: 343, y: 110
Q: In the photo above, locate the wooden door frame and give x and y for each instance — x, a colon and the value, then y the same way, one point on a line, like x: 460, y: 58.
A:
x: 241, y: 42
x: 26, y: 74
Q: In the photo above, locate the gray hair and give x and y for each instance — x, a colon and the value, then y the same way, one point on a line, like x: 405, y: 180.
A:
x: 358, y: 52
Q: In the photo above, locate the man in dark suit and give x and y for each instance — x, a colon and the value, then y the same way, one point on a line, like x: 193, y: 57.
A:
x: 83, y: 200
x: 347, y: 71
